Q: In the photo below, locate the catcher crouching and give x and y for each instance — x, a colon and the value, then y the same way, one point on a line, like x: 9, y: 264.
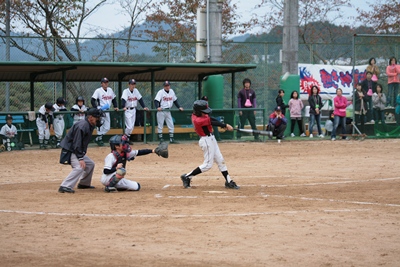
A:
x: 114, y: 172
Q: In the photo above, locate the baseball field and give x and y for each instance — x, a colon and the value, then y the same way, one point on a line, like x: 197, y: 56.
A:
x: 301, y: 203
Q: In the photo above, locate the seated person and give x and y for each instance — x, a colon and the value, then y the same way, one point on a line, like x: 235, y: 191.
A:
x: 277, y: 123
x: 9, y: 135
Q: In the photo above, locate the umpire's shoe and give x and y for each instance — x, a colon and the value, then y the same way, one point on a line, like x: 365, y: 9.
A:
x: 64, y: 189
x: 185, y: 181
x: 82, y: 186
x: 231, y: 185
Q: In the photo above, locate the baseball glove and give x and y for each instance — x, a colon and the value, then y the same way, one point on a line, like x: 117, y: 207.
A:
x: 162, y: 150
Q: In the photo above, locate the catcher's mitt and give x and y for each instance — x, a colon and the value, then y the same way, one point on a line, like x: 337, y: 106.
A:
x: 162, y: 150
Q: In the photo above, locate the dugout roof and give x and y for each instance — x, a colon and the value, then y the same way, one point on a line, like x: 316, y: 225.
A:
x: 115, y: 72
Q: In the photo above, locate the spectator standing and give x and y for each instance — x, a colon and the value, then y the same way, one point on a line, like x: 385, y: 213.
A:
x: 360, y: 106
x: 379, y: 104
x: 392, y: 71
x: 59, y: 123
x: 163, y: 102
x: 80, y: 109
x: 246, y: 100
x: 44, y: 123
x: 340, y: 105
x: 295, y: 108
x: 373, y: 68
x: 102, y: 98
x: 315, y: 102
x: 280, y: 102
x: 368, y: 86
x: 76, y: 143
x: 130, y: 98
x: 277, y: 123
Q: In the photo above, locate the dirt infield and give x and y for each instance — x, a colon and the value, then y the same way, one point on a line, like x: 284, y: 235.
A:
x: 310, y: 203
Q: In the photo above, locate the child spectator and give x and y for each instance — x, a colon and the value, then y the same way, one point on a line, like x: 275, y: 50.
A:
x: 360, y: 106
x: 277, y: 123
x: 379, y: 104
x: 44, y: 123
x: 315, y: 102
x: 280, y: 102
x: 295, y: 107
x: 80, y: 109
x: 340, y: 105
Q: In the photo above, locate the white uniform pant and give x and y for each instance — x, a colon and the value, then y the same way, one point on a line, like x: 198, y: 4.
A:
x: 167, y: 117
x: 106, y: 125
x: 122, y: 184
x: 42, y: 131
x: 59, y: 125
x: 211, y: 154
x: 85, y: 175
x: 130, y: 118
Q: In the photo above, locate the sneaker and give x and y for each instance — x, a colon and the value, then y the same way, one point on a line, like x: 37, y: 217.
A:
x: 292, y: 135
x: 110, y: 189
x: 82, y: 186
x: 64, y: 189
x: 333, y: 139
x: 311, y: 135
x: 303, y: 135
x: 99, y: 142
x: 231, y: 185
x: 185, y: 181
x: 321, y: 136
x: 172, y: 141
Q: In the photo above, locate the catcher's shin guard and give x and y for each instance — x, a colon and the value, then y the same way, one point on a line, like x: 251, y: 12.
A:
x: 110, y: 187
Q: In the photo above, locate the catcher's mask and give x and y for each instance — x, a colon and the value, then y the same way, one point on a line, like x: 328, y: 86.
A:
x: 120, y: 140
x: 201, y: 106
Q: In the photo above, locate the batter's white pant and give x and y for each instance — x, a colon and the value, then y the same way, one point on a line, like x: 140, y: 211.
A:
x: 211, y: 154
x: 122, y: 184
x: 58, y: 125
x: 106, y: 125
x: 85, y: 175
x: 130, y: 118
x: 43, y: 132
x: 167, y: 117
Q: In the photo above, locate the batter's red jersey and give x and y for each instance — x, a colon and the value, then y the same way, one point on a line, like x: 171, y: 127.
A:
x: 202, y: 125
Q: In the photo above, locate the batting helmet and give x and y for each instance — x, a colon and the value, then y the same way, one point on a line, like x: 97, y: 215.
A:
x: 201, y: 106
x: 246, y: 80
x: 61, y: 101
x: 49, y: 106
x: 79, y: 98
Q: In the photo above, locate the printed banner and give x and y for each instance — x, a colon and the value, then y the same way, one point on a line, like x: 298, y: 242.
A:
x: 328, y: 78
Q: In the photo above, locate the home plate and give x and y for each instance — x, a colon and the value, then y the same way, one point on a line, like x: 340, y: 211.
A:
x: 215, y: 192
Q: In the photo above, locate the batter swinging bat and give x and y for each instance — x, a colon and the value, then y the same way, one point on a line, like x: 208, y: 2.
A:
x: 267, y: 133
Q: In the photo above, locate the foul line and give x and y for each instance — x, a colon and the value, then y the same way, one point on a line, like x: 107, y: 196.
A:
x: 181, y: 215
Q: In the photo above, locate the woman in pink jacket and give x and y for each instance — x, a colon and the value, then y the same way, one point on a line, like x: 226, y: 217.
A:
x: 393, y: 72
x: 340, y: 105
x: 295, y: 107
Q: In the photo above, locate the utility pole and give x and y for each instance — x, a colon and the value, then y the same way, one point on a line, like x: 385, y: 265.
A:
x: 215, y: 31
x: 290, y: 42
x: 8, y: 18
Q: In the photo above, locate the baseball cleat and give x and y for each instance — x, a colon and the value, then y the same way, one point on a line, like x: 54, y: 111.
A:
x: 185, y: 181
x: 64, y: 189
x: 110, y: 189
x: 99, y: 142
x: 231, y: 185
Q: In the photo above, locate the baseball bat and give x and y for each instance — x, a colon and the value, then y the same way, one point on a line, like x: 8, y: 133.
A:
x: 267, y: 133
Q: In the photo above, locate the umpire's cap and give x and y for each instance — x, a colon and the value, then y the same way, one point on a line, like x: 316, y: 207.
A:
x: 201, y: 105
x: 97, y: 113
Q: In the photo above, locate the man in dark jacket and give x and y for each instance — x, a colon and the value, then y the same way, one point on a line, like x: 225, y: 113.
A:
x: 76, y: 141
x: 367, y: 84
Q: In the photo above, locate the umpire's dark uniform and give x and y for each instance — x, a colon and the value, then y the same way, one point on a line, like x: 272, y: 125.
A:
x: 77, y: 141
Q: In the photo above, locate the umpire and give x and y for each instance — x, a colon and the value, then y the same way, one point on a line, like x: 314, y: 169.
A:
x: 74, y: 147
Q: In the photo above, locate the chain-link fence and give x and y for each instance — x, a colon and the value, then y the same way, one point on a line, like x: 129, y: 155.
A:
x: 265, y: 78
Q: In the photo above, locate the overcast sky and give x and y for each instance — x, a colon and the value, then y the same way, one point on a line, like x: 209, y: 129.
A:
x: 110, y: 19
